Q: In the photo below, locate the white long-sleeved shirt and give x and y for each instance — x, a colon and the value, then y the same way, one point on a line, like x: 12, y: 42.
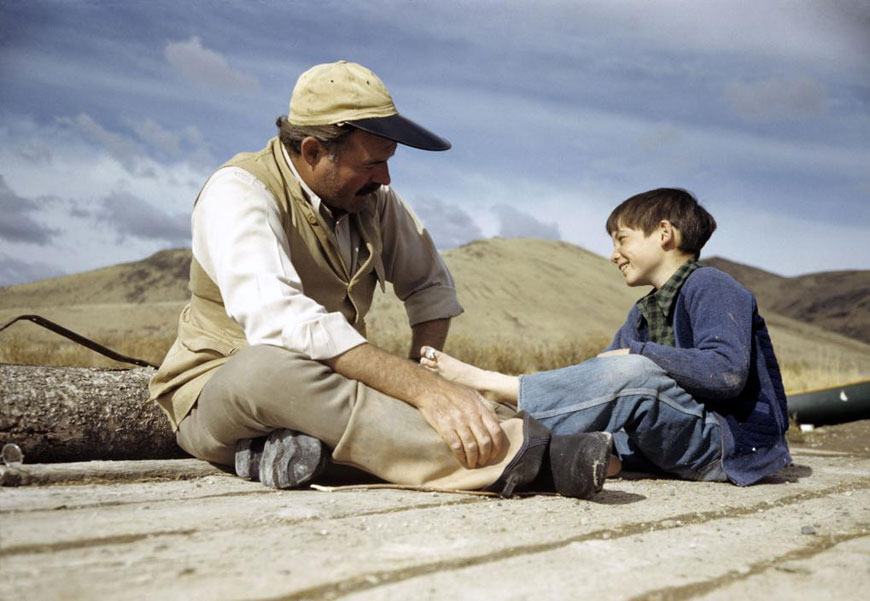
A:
x: 240, y: 243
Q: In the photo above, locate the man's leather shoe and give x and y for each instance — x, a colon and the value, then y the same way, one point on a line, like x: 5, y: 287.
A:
x: 284, y: 459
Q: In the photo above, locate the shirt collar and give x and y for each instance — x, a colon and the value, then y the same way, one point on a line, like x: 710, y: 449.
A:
x: 667, y: 294
x: 313, y: 198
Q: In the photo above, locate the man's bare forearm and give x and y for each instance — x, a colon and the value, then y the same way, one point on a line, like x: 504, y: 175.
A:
x: 387, y: 373
x: 428, y: 333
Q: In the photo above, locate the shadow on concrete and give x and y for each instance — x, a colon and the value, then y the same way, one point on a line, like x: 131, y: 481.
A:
x: 793, y: 473
x: 617, y: 497
x: 790, y: 474
x: 227, y: 469
x: 336, y: 474
x: 627, y: 475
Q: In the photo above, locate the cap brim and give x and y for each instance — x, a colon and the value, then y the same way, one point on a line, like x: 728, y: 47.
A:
x: 402, y: 130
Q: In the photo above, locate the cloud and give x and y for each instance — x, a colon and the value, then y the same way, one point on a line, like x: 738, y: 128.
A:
x: 36, y: 152
x: 159, y: 138
x: 17, y: 224
x: 517, y: 224
x: 95, y: 209
x: 448, y: 224
x: 152, y: 142
x: 131, y: 216
x: 16, y: 271
x: 120, y: 147
x: 207, y: 67
x: 777, y: 99
x: 187, y: 144
x: 781, y: 242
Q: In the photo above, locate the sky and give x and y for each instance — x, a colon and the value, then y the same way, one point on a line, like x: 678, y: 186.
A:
x: 113, y: 114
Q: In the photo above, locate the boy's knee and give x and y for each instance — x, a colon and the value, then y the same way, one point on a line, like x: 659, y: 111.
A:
x: 631, y: 371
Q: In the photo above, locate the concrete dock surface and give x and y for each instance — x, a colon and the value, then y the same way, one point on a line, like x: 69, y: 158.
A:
x: 803, y: 534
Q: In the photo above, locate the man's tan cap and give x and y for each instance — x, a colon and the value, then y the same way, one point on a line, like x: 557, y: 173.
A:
x: 344, y: 92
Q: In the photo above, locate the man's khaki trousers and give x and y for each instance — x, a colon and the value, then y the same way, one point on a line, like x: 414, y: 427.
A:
x: 264, y: 388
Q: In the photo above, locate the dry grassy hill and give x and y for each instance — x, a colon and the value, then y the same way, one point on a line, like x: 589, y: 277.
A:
x: 159, y: 278
x: 834, y: 300
x: 530, y: 304
x: 527, y: 288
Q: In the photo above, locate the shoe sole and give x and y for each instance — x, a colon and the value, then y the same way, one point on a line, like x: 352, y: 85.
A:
x: 249, y: 452
x: 290, y: 459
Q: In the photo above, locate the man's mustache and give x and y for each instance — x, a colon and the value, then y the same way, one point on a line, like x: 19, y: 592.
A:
x: 367, y: 189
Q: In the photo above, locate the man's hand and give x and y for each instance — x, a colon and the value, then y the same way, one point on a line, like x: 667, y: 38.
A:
x: 466, y: 423
x: 615, y: 352
x: 460, y: 415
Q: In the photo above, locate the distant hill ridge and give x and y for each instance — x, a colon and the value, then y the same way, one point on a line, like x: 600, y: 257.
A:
x: 528, y: 288
x: 835, y: 300
x: 161, y: 277
x: 531, y: 287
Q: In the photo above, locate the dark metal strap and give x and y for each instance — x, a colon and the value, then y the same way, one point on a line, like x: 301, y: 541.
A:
x: 94, y: 346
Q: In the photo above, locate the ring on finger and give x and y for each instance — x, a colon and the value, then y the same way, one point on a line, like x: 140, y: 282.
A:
x: 430, y: 354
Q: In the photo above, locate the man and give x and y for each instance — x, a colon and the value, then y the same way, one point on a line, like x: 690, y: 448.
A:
x: 271, y: 358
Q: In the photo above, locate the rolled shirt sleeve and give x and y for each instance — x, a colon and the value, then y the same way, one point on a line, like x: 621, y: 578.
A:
x: 413, y: 265
x: 240, y: 243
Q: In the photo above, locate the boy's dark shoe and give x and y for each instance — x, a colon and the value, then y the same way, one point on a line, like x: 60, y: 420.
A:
x: 578, y: 463
x: 574, y: 465
x: 284, y: 459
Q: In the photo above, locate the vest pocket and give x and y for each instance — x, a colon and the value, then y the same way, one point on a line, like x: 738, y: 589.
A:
x: 201, y: 344
x: 196, y: 340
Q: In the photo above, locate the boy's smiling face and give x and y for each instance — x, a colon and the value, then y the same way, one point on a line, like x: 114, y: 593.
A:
x: 642, y: 259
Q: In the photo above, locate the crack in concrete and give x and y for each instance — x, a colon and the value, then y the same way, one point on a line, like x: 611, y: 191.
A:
x: 353, y: 584
x: 241, y: 493
x: 462, y: 501
x: 696, y: 589
x: 132, y: 538
x: 101, y: 504
x: 121, y: 539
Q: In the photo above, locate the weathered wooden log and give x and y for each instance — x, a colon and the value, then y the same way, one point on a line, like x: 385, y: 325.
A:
x: 80, y: 414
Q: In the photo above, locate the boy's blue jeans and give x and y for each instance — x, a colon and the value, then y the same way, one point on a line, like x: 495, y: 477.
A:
x: 657, y: 426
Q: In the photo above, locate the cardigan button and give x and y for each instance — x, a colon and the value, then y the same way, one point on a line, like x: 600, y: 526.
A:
x: 312, y: 220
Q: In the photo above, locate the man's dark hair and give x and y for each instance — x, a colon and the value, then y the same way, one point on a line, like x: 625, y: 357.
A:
x: 330, y: 136
x: 644, y: 211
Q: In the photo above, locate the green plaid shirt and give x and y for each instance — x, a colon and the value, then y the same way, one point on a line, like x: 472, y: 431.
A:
x: 657, y: 307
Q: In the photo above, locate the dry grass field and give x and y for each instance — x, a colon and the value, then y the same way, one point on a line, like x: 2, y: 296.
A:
x: 816, y: 369
x: 530, y: 305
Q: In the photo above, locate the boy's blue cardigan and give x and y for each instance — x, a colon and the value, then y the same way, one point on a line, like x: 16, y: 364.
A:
x: 724, y: 359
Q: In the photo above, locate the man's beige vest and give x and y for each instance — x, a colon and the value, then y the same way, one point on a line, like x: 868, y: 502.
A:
x: 207, y: 336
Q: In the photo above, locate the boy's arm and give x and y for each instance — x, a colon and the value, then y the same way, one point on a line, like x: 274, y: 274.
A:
x: 721, y: 314
x: 625, y: 334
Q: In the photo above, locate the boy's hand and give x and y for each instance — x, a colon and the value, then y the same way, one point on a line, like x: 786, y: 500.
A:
x: 613, y: 353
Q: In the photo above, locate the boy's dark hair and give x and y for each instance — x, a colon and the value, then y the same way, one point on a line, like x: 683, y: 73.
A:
x: 644, y: 211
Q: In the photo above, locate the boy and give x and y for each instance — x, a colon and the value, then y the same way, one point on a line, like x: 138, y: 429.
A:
x: 690, y: 385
